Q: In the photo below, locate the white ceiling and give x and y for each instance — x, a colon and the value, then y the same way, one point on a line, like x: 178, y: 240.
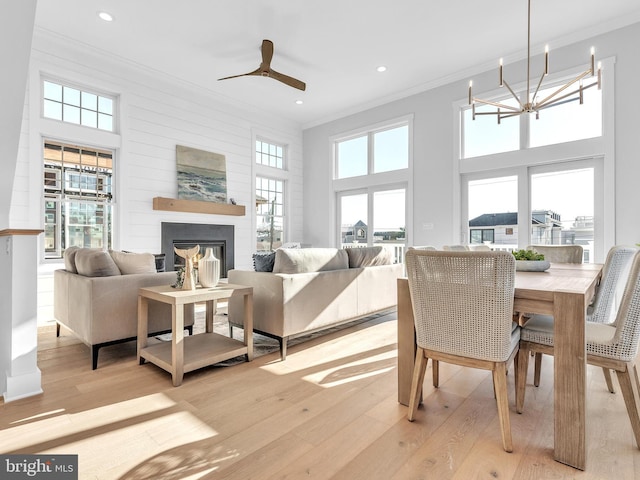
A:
x: 332, y: 45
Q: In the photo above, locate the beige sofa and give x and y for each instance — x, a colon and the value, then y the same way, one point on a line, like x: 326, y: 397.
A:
x: 312, y: 289
x: 96, y: 297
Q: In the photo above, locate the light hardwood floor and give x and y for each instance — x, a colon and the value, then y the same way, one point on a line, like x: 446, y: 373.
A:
x: 329, y: 411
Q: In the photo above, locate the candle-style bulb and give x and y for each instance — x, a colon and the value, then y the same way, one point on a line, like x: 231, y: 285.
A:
x: 546, y: 59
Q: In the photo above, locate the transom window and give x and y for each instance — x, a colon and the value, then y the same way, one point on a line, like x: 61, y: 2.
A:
x: 269, y: 154
x: 78, y: 197
x: 376, y: 151
x: 559, y: 124
x: 72, y: 105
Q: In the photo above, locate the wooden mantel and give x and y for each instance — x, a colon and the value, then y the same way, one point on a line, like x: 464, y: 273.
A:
x: 197, y: 206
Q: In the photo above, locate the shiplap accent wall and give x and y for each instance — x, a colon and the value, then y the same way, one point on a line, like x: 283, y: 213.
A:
x: 156, y: 112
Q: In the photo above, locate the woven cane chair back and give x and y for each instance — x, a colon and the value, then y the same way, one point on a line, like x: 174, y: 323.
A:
x: 463, y: 302
x: 614, y: 278
x: 559, y: 253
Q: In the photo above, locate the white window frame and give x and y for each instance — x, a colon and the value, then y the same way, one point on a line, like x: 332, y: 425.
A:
x: 549, y: 156
x: 391, y: 180
x: 82, y: 89
x: 63, y: 195
x: 282, y: 174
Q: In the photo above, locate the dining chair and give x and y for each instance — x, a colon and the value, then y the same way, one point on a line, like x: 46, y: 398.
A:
x: 607, y: 299
x: 613, y: 346
x: 559, y: 253
x: 463, y: 304
x: 479, y: 247
x: 455, y: 248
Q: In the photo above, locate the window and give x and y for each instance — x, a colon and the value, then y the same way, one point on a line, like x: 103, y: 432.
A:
x: 374, y: 217
x: 269, y: 154
x: 565, y: 122
x: 562, y: 174
x: 561, y: 209
x: 78, y: 197
x: 270, y: 217
x: 377, y: 151
x: 270, y: 195
x: 71, y: 105
x: 371, y: 184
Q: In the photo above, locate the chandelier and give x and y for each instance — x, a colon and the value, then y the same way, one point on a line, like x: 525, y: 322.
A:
x: 533, y: 104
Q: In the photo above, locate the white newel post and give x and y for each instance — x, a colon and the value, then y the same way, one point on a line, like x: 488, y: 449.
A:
x: 19, y: 313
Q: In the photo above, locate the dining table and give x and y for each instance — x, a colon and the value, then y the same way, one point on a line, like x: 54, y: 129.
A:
x: 564, y: 291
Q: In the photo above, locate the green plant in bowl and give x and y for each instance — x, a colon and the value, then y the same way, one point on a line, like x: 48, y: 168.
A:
x: 530, y: 261
x: 528, y: 255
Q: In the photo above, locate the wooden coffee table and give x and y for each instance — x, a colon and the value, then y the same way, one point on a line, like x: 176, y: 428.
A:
x: 185, y: 354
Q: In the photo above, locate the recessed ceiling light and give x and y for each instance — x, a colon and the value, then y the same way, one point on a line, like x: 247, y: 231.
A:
x: 107, y: 17
x: 299, y: 102
x: 381, y: 68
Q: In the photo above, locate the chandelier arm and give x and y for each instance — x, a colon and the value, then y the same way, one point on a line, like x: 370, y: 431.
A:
x: 535, y: 94
x: 495, y: 104
x: 564, y: 87
x: 559, y: 100
x: 514, y: 95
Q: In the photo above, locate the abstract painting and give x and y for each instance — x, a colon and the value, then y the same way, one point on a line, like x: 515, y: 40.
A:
x: 201, y: 175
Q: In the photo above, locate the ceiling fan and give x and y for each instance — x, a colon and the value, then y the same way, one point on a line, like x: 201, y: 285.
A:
x: 265, y: 70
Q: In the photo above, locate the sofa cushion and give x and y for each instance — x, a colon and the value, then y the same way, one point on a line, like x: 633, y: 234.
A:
x: 129, y: 263
x: 70, y: 259
x: 368, y: 256
x: 263, y: 261
x: 93, y: 262
x: 304, y: 260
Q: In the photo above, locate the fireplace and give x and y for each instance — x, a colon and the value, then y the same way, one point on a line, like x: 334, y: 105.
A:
x: 186, y: 235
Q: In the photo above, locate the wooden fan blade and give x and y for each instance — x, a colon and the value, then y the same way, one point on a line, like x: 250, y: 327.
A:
x: 267, y: 54
x: 255, y: 72
x: 292, y: 82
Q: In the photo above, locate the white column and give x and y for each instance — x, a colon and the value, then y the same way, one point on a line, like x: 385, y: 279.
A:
x: 18, y: 314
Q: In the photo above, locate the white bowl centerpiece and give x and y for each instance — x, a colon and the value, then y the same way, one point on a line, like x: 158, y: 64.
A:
x: 530, y: 261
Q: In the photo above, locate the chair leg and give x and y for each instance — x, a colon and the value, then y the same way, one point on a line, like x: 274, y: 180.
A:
x: 57, y: 329
x: 536, y: 369
x: 502, y: 401
x: 435, y: 370
x: 416, y: 383
x: 631, y: 399
x: 607, y: 378
x: 521, y: 378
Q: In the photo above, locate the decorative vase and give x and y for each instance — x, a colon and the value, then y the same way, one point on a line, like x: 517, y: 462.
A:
x: 209, y: 269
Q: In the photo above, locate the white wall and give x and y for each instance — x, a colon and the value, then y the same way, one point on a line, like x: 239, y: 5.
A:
x: 157, y: 113
x: 434, y: 177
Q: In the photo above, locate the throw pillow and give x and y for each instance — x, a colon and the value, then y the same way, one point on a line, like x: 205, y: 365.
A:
x: 129, y: 263
x: 263, y: 261
x: 368, y: 256
x: 93, y: 262
x: 70, y: 259
x: 303, y: 260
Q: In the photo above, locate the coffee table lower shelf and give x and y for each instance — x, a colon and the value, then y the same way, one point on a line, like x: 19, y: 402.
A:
x: 200, y: 350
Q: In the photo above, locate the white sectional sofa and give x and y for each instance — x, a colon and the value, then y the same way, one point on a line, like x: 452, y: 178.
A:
x: 311, y: 289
